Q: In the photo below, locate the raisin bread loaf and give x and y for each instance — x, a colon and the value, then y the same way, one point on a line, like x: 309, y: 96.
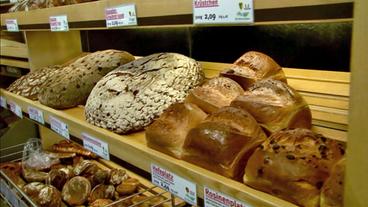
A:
x: 130, y: 97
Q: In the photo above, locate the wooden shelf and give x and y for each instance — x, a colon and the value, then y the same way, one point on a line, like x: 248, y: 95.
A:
x: 12, y: 48
x: 14, y: 63
x: 149, y: 13
x: 328, y: 119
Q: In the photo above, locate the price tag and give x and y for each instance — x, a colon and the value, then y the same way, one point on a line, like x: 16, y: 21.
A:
x: 222, y: 11
x: 59, y: 127
x: 59, y: 23
x: 3, y: 102
x: 215, y: 199
x: 96, y: 146
x: 12, y: 25
x: 124, y: 15
x: 174, y: 184
x: 36, y: 115
x: 15, y: 108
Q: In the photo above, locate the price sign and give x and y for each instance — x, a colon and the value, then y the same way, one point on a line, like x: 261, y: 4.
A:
x: 3, y: 102
x: 124, y: 15
x: 59, y: 23
x: 15, y: 108
x: 215, y: 199
x: 12, y: 25
x: 222, y: 11
x: 96, y: 146
x: 36, y: 115
x: 174, y: 184
x: 59, y: 127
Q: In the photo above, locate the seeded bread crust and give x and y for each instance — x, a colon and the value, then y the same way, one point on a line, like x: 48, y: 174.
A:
x: 130, y: 97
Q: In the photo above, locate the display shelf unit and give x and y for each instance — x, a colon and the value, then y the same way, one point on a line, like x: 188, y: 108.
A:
x: 338, y: 102
x: 149, y: 13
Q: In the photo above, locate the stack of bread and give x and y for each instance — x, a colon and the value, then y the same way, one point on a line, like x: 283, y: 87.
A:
x: 250, y: 125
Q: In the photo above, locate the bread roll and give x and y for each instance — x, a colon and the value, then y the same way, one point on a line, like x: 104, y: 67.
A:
x: 130, y: 97
x: 167, y: 134
x: 332, y: 193
x: 214, y: 94
x: 223, y: 142
x: 29, y: 85
x: 252, y: 67
x: 275, y: 106
x: 72, y: 86
x: 293, y: 164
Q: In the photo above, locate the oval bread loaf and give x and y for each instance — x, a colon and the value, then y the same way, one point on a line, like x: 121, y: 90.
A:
x: 130, y: 97
x: 71, y: 86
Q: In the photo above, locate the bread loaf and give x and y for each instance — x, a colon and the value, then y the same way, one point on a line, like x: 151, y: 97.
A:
x: 130, y: 97
x: 252, y: 67
x: 29, y: 85
x: 332, y: 193
x: 275, y: 106
x: 293, y: 165
x: 167, y: 134
x: 214, y: 94
x: 72, y: 85
x: 224, y: 141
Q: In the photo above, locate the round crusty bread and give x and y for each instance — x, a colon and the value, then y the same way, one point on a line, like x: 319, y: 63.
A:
x: 130, y: 97
x: 252, y: 67
x: 71, y: 86
x: 293, y: 164
x: 214, y: 94
x: 29, y: 85
x: 332, y: 192
x: 275, y: 106
x: 76, y: 191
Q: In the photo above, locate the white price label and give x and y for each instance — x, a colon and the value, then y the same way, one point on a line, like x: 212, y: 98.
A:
x: 96, y: 146
x: 124, y: 15
x: 36, y: 115
x: 59, y: 23
x: 174, y: 184
x: 222, y: 11
x: 15, y: 108
x: 59, y: 127
x: 215, y: 199
x: 12, y: 25
x: 3, y: 102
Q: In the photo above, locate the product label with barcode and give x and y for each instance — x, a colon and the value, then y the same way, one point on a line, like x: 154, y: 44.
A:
x: 59, y: 23
x: 12, y: 25
x: 222, y: 11
x: 96, y: 146
x: 174, y: 184
x: 15, y: 108
x: 36, y: 114
x: 124, y: 15
x: 59, y: 127
x: 216, y: 199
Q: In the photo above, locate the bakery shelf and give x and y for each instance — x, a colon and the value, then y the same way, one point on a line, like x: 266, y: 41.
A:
x: 14, y: 63
x: 330, y: 121
x: 149, y: 13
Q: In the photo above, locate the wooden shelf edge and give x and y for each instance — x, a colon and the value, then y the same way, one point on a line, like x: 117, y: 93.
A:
x: 133, y: 149
x: 14, y: 63
x: 18, y: 52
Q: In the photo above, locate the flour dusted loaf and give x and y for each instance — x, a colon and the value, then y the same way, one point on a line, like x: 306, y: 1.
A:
x: 71, y: 86
x: 214, y: 94
x: 252, y: 67
x: 167, y: 134
x: 293, y: 165
x: 29, y: 85
x: 224, y: 141
x: 275, y: 106
x: 130, y: 97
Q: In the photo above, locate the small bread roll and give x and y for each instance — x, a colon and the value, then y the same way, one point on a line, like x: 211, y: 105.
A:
x: 332, y: 193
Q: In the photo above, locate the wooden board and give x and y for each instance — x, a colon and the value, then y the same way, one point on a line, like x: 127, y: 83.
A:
x: 14, y: 63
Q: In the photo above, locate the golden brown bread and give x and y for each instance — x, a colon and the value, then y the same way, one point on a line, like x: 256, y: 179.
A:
x: 275, y: 106
x: 293, y: 164
x: 332, y: 193
x: 214, y: 94
x: 224, y: 141
x: 167, y: 134
x: 252, y: 67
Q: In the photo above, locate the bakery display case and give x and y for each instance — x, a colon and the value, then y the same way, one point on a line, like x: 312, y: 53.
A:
x: 336, y: 99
